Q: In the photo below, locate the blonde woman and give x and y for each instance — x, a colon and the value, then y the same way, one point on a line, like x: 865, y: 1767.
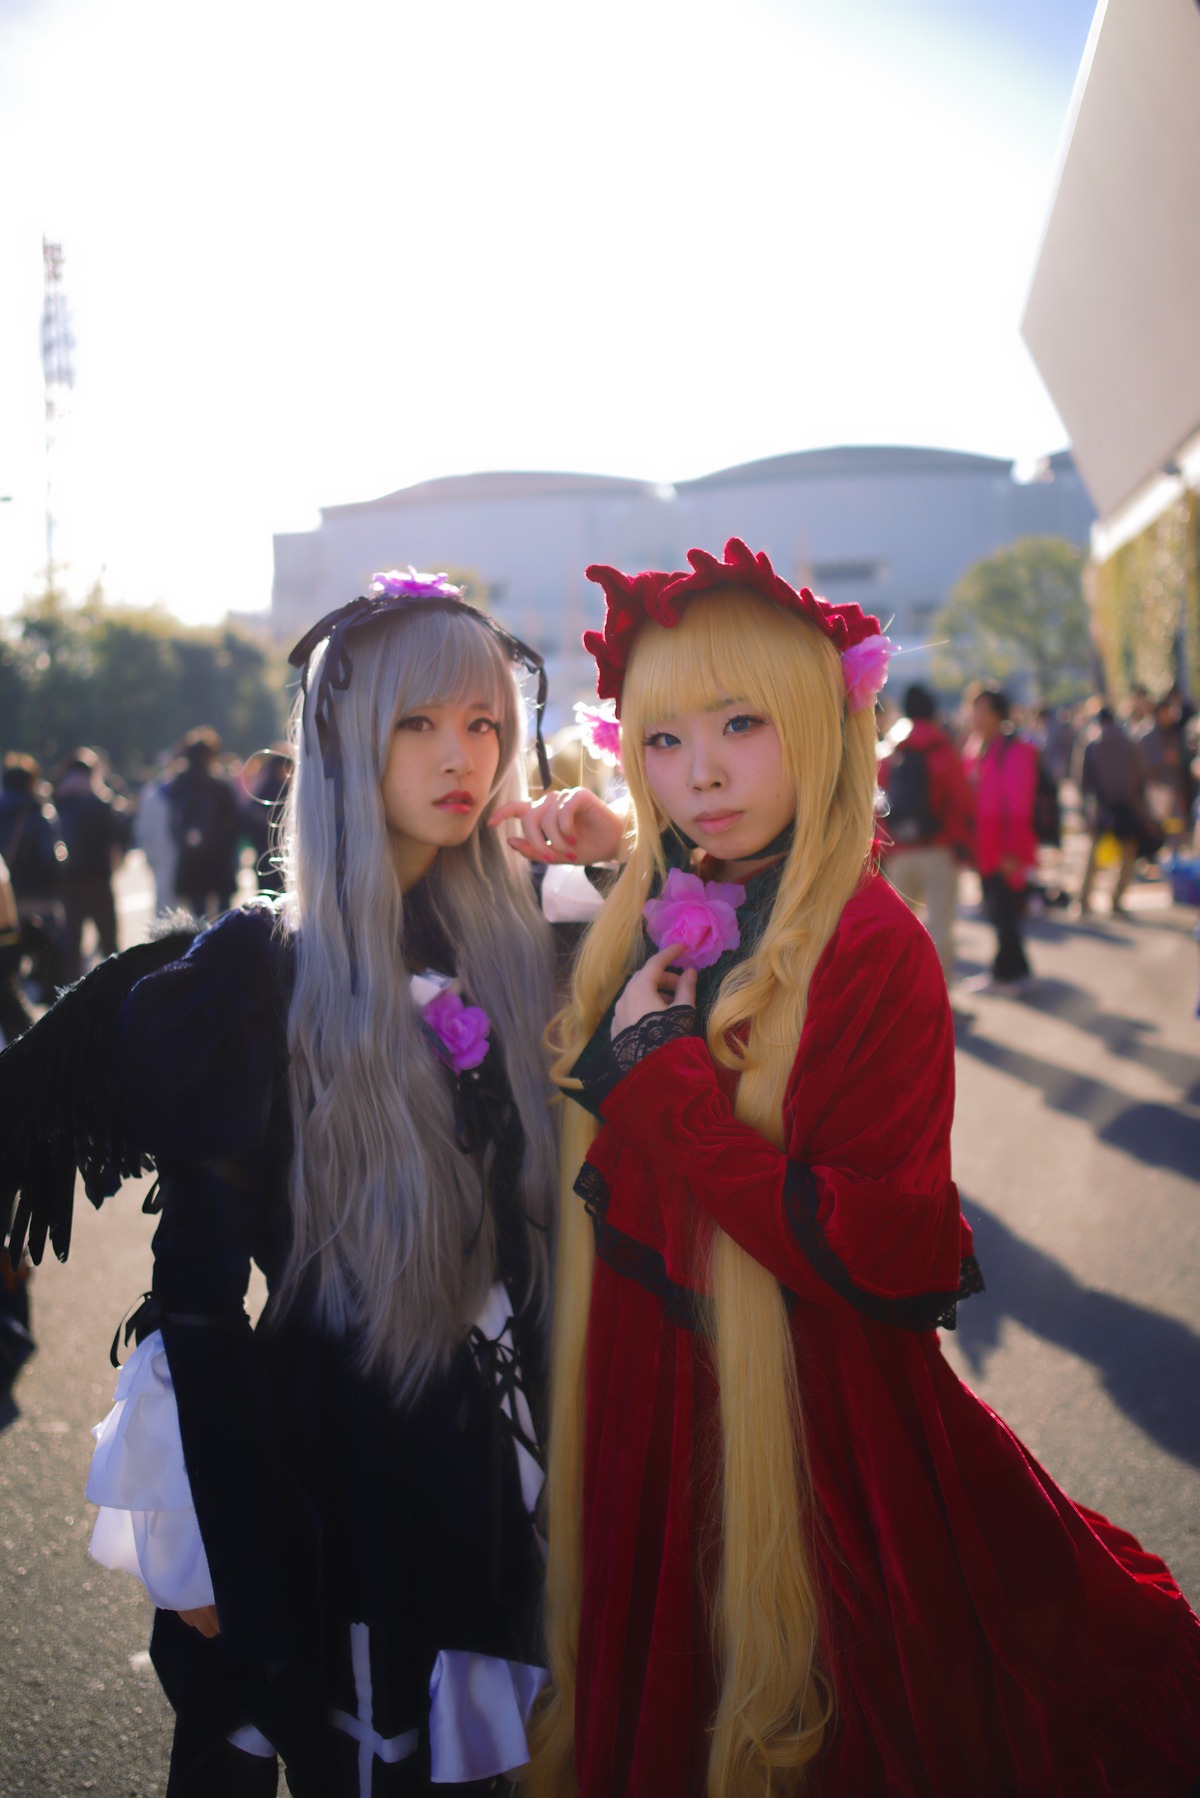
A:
x: 789, y: 1551
x: 333, y: 1512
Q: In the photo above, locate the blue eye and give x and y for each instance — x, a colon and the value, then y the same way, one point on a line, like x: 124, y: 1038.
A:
x: 660, y: 739
x: 738, y: 727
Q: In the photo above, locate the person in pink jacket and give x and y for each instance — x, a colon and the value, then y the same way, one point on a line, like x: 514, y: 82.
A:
x: 1002, y: 769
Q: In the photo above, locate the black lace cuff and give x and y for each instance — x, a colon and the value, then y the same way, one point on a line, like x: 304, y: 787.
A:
x: 921, y: 1311
x: 651, y: 1032
x: 606, y: 1060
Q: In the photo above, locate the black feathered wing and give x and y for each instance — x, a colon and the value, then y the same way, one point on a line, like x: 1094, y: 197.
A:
x: 61, y: 1109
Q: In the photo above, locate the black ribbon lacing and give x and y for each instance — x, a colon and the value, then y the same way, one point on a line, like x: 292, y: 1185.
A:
x: 500, y: 1367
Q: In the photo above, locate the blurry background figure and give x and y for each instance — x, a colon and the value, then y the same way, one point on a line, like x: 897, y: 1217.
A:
x: 16, y: 1344
x: 1002, y: 769
x: 152, y: 832
x: 1110, y: 772
x: 15, y: 1015
x: 1056, y: 736
x: 96, y: 830
x: 205, y: 825
x: 1139, y: 712
x: 928, y: 818
x: 266, y: 778
x: 1168, y: 776
x: 32, y: 847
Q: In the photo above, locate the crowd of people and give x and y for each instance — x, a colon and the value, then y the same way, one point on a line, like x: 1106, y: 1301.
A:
x: 991, y: 789
x: 596, y: 1437
x: 984, y: 786
x: 63, y: 839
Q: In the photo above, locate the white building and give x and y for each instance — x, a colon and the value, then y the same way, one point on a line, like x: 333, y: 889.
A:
x: 890, y: 527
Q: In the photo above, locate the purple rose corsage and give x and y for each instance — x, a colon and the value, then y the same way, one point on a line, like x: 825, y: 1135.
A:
x: 461, y: 1029
x: 392, y: 583
x: 700, y: 914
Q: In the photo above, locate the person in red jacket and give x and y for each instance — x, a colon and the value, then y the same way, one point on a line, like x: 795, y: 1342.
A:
x: 1002, y: 769
x: 788, y: 1549
x: 928, y: 822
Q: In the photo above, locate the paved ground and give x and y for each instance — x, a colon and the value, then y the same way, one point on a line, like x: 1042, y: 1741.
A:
x: 1078, y: 1152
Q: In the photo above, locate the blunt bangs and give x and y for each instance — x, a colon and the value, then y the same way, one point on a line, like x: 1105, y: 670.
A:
x: 453, y: 661
x: 435, y: 657
x: 729, y: 645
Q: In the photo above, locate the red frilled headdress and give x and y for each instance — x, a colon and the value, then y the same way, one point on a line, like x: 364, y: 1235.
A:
x: 631, y: 599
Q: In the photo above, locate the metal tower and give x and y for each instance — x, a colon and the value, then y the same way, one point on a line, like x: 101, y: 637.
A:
x: 58, y: 374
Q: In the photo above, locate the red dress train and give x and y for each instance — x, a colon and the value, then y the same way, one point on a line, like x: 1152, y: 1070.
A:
x: 985, y: 1636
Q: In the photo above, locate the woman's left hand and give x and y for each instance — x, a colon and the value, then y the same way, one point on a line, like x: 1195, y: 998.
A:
x: 655, y: 987
x: 574, y: 826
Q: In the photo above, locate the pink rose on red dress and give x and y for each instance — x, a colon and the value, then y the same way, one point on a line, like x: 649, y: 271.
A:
x: 461, y: 1029
x: 700, y: 914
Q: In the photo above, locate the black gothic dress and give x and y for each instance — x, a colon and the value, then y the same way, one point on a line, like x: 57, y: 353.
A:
x: 363, y: 1558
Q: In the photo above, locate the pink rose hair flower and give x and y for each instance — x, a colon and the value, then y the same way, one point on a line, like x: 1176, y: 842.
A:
x: 700, y: 914
x: 461, y: 1029
x: 601, y: 731
x: 865, y: 670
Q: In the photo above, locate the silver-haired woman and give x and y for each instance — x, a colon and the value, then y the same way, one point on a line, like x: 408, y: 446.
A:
x: 334, y: 1511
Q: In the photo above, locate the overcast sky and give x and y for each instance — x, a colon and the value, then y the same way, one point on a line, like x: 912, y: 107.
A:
x: 314, y: 253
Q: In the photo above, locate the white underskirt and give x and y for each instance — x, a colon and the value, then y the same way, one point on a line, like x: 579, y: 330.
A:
x: 147, y: 1523
x: 478, y: 1704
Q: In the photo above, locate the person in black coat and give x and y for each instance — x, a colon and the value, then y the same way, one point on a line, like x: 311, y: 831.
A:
x: 95, y: 828
x: 206, y: 825
x: 31, y: 843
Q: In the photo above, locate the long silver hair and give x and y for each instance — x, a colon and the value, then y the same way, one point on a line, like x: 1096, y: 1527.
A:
x: 385, y: 1208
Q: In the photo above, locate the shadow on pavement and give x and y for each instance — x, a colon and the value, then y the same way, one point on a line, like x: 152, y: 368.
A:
x: 1150, y: 1364
x: 1157, y: 1135
x: 1126, y: 1037
x: 1047, y: 929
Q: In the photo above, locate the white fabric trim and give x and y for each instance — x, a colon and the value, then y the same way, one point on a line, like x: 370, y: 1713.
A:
x: 427, y: 986
x: 361, y: 1729
x: 495, y: 1322
x: 147, y: 1523
x: 568, y: 896
x: 252, y: 1741
x: 478, y: 1709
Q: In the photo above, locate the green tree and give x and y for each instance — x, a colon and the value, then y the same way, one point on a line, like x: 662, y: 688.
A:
x: 1021, y: 612
x: 131, y: 681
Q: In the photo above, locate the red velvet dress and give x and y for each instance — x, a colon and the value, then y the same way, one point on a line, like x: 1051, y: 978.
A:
x: 985, y: 1636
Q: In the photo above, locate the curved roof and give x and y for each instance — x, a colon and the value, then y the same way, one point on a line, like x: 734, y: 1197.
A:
x: 502, y: 484
x: 852, y: 459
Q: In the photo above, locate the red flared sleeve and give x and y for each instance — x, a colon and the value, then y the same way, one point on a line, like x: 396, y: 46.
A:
x: 862, y: 1209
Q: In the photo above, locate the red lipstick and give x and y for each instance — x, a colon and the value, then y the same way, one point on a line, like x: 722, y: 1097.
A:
x: 458, y: 801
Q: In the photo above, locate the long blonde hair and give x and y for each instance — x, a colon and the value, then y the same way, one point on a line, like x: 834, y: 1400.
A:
x: 775, y: 1703
x: 387, y: 1218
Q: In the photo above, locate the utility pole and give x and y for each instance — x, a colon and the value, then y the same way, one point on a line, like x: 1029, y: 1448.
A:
x: 58, y: 374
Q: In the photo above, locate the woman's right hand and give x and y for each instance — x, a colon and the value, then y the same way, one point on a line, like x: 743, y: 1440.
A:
x: 574, y: 826
x: 203, y: 1618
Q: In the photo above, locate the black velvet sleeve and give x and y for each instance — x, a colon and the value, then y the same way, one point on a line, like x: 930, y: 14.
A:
x: 200, y: 1042
x: 202, y: 1052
